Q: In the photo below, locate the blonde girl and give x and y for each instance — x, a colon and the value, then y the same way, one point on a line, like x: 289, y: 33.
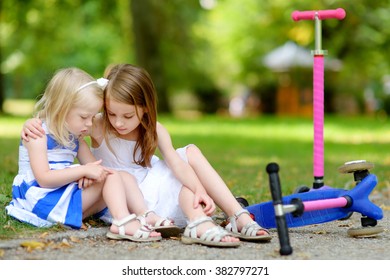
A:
x: 49, y: 188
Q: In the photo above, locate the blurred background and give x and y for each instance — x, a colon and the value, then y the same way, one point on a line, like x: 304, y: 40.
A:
x: 229, y: 57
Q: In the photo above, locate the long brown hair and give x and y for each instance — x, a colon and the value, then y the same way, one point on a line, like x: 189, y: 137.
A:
x: 132, y: 85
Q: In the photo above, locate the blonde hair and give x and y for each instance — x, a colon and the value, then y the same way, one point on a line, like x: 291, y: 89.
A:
x: 61, y: 95
x: 133, y: 86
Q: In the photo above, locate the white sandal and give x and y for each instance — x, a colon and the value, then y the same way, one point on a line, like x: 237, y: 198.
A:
x: 249, y: 231
x: 211, y: 237
x: 141, y: 235
x: 165, y: 226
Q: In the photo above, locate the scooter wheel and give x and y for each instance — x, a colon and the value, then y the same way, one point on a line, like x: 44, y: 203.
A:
x: 301, y: 189
x: 365, y: 231
x: 243, y: 202
x: 357, y: 165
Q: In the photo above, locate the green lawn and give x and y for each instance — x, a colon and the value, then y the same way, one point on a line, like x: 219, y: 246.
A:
x: 240, y: 149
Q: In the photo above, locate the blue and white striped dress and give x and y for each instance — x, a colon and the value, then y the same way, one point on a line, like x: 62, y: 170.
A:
x: 44, y: 207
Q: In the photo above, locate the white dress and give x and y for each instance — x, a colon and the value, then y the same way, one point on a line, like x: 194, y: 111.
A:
x: 158, y: 184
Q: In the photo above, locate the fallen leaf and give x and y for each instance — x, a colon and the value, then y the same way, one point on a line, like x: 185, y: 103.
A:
x: 155, y: 245
x: 84, y: 226
x: 92, y: 222
x: 75, y: 239
x: 43, y: 235
x: 8, y: 226
x: 33, y: 245
x: 131, y: 248
x: 65, y: 243
x: 385, y: 207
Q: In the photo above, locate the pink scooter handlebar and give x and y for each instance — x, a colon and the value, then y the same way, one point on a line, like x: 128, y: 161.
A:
x: 322, y: 14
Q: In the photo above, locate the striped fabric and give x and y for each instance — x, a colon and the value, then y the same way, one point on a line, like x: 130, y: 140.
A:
x: 44, y: 207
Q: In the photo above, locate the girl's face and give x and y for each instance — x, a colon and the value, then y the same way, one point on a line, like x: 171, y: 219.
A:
x: 123, y: 117
x: 79, y: 119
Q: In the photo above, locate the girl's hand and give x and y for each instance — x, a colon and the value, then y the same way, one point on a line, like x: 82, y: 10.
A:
x: 204, y: 200
x: 97, y: 172
x: 85, y: 183
x: 32, y: 128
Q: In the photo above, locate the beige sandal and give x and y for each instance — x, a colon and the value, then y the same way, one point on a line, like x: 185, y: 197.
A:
x: 249, y: 231
x: 141, y: 235
x: 165, y: 226
x: 212, y: 237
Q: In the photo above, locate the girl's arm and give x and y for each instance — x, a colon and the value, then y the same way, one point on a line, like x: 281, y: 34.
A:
x: 46, y: 178
x: 96, y: 132
x: 182, y: 170
x: 84, y: 154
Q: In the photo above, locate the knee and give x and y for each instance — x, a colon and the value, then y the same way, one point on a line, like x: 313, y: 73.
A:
x: 127, y: 177
x: 112, y: 178
x: 193, y: 151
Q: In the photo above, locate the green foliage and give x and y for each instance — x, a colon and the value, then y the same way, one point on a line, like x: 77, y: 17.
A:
x: 38, y: 37
x: 200, y: 50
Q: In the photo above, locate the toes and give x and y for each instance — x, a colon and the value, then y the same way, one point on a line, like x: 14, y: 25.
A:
x: 262, y: 232
x: 230, y: 239
x: 155, y: 234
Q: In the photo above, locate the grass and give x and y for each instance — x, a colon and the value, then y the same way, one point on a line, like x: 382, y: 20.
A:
x: 240, y: 149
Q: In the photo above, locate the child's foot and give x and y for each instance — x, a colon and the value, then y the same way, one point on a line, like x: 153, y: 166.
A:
x: 244, y: 220
x: 130, y: 228
x: 242, y: 226
x: 205, y: 232
x: 165, y: 226
x: 202, y: 228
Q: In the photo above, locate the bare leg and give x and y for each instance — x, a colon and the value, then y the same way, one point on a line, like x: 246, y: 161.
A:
x: 186, y: 199
x: 92, y: 201
x: 216, y: 187
x: 114, y: 194
x: 135, y: 199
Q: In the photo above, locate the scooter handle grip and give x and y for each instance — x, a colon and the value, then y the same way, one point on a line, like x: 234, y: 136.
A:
x: 322, y: 14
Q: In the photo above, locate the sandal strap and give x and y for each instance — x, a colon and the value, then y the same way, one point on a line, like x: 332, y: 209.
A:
x: 159, y: 223
x: 233, y: 219
x: 240, y: 212
x: 191, y: 227
x: 163, y: 222
x: 142, y: 232
x: 251, y: 229
x: 120, y: 223
x: 214, y: 234
x: 142, y: 218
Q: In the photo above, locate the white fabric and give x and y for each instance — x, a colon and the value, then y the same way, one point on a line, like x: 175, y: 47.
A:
x: 158, y: 184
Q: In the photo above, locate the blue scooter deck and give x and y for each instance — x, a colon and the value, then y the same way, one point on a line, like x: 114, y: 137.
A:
x: 264, y: 213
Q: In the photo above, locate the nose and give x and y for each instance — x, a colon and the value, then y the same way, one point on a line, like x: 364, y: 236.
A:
x: 89, y: 122
x: 118, y: 123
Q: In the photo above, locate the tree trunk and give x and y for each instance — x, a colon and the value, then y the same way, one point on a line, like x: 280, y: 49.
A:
x: 148, y: 27
x: 2, y: 87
